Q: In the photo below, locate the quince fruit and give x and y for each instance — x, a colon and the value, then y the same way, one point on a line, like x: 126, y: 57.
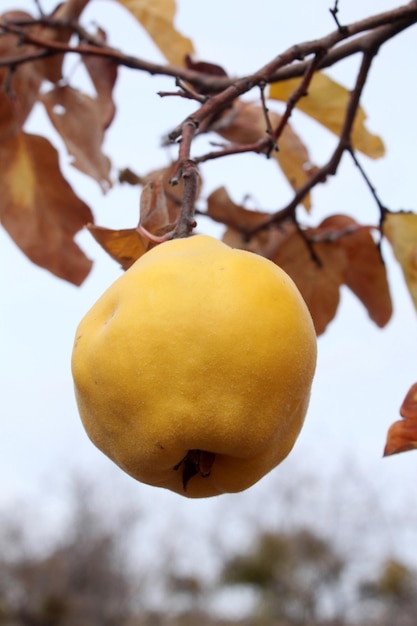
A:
x: 193, y: 370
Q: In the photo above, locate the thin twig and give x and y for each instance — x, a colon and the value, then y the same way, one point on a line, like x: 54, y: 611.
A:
x: 382, y: 208
x: 186, y: 170
x: 344, y: 143
x: 271, y: 143
x: 299, y: 93
x: 334, y: 11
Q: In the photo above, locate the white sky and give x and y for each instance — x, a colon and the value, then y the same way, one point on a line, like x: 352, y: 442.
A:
x: 363, y: 372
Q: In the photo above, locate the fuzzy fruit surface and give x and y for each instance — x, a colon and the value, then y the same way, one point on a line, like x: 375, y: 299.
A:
x: 193, y: 370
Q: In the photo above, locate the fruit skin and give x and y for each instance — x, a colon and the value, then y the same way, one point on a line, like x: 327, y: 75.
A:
x: 197, y: 346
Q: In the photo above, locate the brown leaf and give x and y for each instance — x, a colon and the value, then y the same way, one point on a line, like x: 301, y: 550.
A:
x: 128, y: 176
x: 318, y: 277
x: 401, y: 231
x: 173, y: 193
x: 39, y: 209
x: 221, y: 208
x: 103, y: 73
x: 402, y: 435
x: 65, y: 13
x: 365, y: 273
x: 154, y: 213
x: 204, y: 67
x: 241, y: 221
x: 9, y: 126
x: 245, y: 124
x: 26, y: 79
x: 124, y: 246
x: 76, y: 117
x: 265, y: 242
x: 23, y: 84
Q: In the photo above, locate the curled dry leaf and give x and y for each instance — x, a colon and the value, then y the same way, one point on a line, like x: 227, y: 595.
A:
x: 126, y: 246
x: 245, y: 124
x: 401, y: 231
x: 326, y: 103
x: 173, y: 193
x: 154, y: 212
x: 77, y: 119
x: 365, y: 273
x: 402, y: 435
x: 157, y: 18
x: 39, y: 209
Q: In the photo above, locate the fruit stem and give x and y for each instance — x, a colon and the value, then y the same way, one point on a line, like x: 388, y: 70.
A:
x: 186, y: 221
x: 186, y: 169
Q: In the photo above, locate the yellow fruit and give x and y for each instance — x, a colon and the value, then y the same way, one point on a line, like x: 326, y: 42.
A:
x: 193, y: 370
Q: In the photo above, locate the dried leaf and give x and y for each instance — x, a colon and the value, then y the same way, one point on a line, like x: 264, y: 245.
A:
x: 154, y: 214
x: 204, y: 67
x: 318, y: 277
x: 241, y: 221
x: 245, y: 124
x: 26, y: 79
x: 221, y: 208
x: 326, y: 102
x: 157, y: 18
x: 65, y: 13
x: 124, y: 246
x: 76, y: 117
x: 9, y: 126
x: 39, y: 209
x: 129, y: 177
x: 401, y: 231
x: 402, y: 435
x: 265, y: 242
x: 173, y: 193
x: 103, y: 73
x: 365, y: 273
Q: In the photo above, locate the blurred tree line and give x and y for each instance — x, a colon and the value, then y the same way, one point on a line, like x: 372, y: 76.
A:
x: 283, y: 577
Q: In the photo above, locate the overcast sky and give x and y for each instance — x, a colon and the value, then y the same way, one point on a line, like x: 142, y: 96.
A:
x: 363, y: 372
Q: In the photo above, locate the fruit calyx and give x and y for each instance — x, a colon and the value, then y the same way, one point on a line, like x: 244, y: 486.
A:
x: 195, y: 462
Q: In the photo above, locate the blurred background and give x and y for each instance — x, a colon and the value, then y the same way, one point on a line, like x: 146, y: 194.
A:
x: 329, y: 537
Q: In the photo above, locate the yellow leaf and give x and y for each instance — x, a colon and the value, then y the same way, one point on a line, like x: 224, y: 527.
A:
x: 294, y: 160
x: 326, y: 102
x: 401, y: 231
x: 157, y: 17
